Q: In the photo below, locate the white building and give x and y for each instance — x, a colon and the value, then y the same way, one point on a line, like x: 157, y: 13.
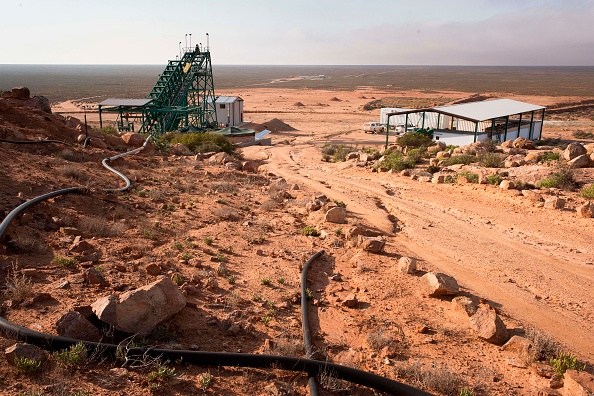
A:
x: 229, y: 110
x: 462, y: 124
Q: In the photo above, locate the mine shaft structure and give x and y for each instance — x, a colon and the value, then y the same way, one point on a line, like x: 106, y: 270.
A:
x: 183, y: 98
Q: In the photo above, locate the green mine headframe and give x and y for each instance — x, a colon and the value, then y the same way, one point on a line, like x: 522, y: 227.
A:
x: 183, y: 97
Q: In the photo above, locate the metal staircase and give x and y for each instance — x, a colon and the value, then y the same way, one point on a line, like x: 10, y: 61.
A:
x: 183, y: 95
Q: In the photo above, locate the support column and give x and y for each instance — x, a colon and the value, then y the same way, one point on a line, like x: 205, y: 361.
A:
x: 475, y: 130
x: 438, y: 119
x: 506, y: 125
x: 387, y: 131
x: 100, y: 119
x: 423, y: 122
x: 492, y: 128
x: 541, y: 124
x: 531, y: 124
x: 519, y: 124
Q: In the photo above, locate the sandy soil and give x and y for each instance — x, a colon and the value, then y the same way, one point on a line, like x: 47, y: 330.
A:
x: 535, y: 266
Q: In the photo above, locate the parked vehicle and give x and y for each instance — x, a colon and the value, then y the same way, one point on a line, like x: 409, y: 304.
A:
x: 373, y: 127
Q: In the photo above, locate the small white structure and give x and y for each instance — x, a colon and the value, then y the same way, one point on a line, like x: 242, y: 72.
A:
x: 499, y: 119
x: 229, y: 110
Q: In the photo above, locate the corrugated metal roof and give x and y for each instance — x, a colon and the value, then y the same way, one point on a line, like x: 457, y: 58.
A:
x: 124, y: 102
x: 227, y: 99
x: 488, y: 109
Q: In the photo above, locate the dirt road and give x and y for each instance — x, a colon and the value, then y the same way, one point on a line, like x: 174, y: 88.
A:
x: 535, y: 265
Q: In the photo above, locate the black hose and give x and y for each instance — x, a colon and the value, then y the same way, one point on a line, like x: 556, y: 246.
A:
x: 52, y: 342
x: 33, y: 141
x: 120, y: 174
x: 313, y: 383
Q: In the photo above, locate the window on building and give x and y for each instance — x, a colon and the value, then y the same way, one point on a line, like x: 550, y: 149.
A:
x: 222, y: 106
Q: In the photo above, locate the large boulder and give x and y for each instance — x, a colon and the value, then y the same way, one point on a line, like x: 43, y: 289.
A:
x: 523, y: 143
x: 581, y: 161
x: 42, y: 103
x: 464, y: 305
x: 573, y: 150
x: 336, y: 215
x: 488, y: 325
x: 219, y: 159
x: 74, y: 325
x: 436, y: 284
x: 20, y: 93
x: 250, y: 166
x: 586, y: 210
x: 139, y: 311
x: 133, y: 139
x: 578, y: 383
x: 180, y: 149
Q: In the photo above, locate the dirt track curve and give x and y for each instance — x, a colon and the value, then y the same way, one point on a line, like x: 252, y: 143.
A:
x: 535, y: 265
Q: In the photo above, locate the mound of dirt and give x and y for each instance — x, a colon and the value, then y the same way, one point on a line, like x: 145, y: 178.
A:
x: 299, y: 104
x: 335, y: 99
x: 276, y: 125
x: 473, y: 98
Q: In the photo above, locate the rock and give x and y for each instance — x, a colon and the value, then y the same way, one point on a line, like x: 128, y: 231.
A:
x: 94, y: 277
x: 20, y: 93
x: 133, y: 139
x: 438, y: 179
x: 507, y: 144
x: 250, y: 166
x: 294, y: 186
x: 542, y: 370
x: 320, y: 197
x: 97, y: 143
x: 443, y: 154
x: 219, y: 159
x: 437, y: 284
x: 573, y: 150
x: 464, y: 305
x: 312, y: 206
x: 578, y: 383
x: 233, y: 165
x: 352, y: 155
x: 24, y: 351
x: 534, y: 156
x: 488, y: 325
x: 74, y: 325
x: 581, y: 161
x: 350, y: 301
x: 354, y: 232
x: 336, y: 215
x: 532, y: 195
x: 556, y: 381
x: 523, y: 143
x: 153, y: 269
x: 139, y: 311
x: 407, y: 265
x: 371, y: 244
x: 507, y: 185
x: 520, y: 346
x: 554, y: 203
x: 42, y: 103
x: 180, y: 149
x: 586, y: 210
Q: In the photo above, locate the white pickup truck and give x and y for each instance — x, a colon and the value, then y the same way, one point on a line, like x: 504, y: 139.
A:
x: 373, y: 127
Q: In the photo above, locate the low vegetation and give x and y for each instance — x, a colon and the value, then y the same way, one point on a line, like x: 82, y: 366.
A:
x: 464, y: 159
x: 566, y: 361
x: 395, y: 160
x: 310, y: 231
x: 587, y: 192
x: 491, y: 160
x: 202, y: 142
x: 563, y: 178
x: 415, y: 139
x: 73, y: 357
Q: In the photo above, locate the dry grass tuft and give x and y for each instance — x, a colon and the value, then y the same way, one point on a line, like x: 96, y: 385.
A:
x: 18, y: 286
x: 544, y: 347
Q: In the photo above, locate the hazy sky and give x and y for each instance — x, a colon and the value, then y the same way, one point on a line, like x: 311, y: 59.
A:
x: 314, y: 32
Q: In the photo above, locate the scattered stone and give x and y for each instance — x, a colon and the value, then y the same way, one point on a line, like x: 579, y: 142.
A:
x: 350, y: 301
x: 94, y: 277
x: 534, y: 156
x: 97, y: 143
x: 314, y: 205
x: 578, y: 383
x: 20, y: 93
x: 69, y: 230
x: 63, y: 285
x: 24, y: 351
x: 371, y: 244
x: 219, y: 159
x: 438, y: 179
x: 582, y: 161
x: 80, y: 246
x: 532, y: 195
x: 507, y: 185
x: 407, y: 265
x: 336, y: 215
x: 573, y: 150
x: 464, y: 304
x: 556, y: 381
x: 586, y: 210
x: 336, y: 277
x: 507, y: 144
x: 520, y: 346
x: 139, y: 311
x: 74, y: 325
x: 542, y: 370
x: 354, y: 232
x: 488, y: 325
x: 422, y: 329
x: 133, y: 139
x: 438, y: 284
x: 153, y: 269
x: 554, y: 203
x: 250, y: 166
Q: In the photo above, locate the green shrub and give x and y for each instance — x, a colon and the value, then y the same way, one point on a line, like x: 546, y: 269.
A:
x: 494, y: 179
x: 565, y: 361
x: 160, y: 375
x: 490, y: 145
x: 579, y: 134
x: 549, y: 157
x: 416, y: 154
x: 25, y: 365
x: 205, y: 379
x: 74, y: 356
x: 310, y: 231
x: 395, y: 160
x: 340, y: 204
x: 587, y: 192
x: 433, y: 169
x: 490, y: 160
x: 464, y: 159
x: 414, y: 139
x: 471, y: 177
x: 208, y: 241
x: 64, y: 262
x: 266, y: 281
x: 560, y: 179
x: 203, y: 142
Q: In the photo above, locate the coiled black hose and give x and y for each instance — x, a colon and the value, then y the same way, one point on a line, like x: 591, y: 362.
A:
x: 311, y: 367
x: 313, y: 383
x: 33, y: 141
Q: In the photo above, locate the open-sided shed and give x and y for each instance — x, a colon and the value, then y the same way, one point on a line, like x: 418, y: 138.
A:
x: 499, y: 119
